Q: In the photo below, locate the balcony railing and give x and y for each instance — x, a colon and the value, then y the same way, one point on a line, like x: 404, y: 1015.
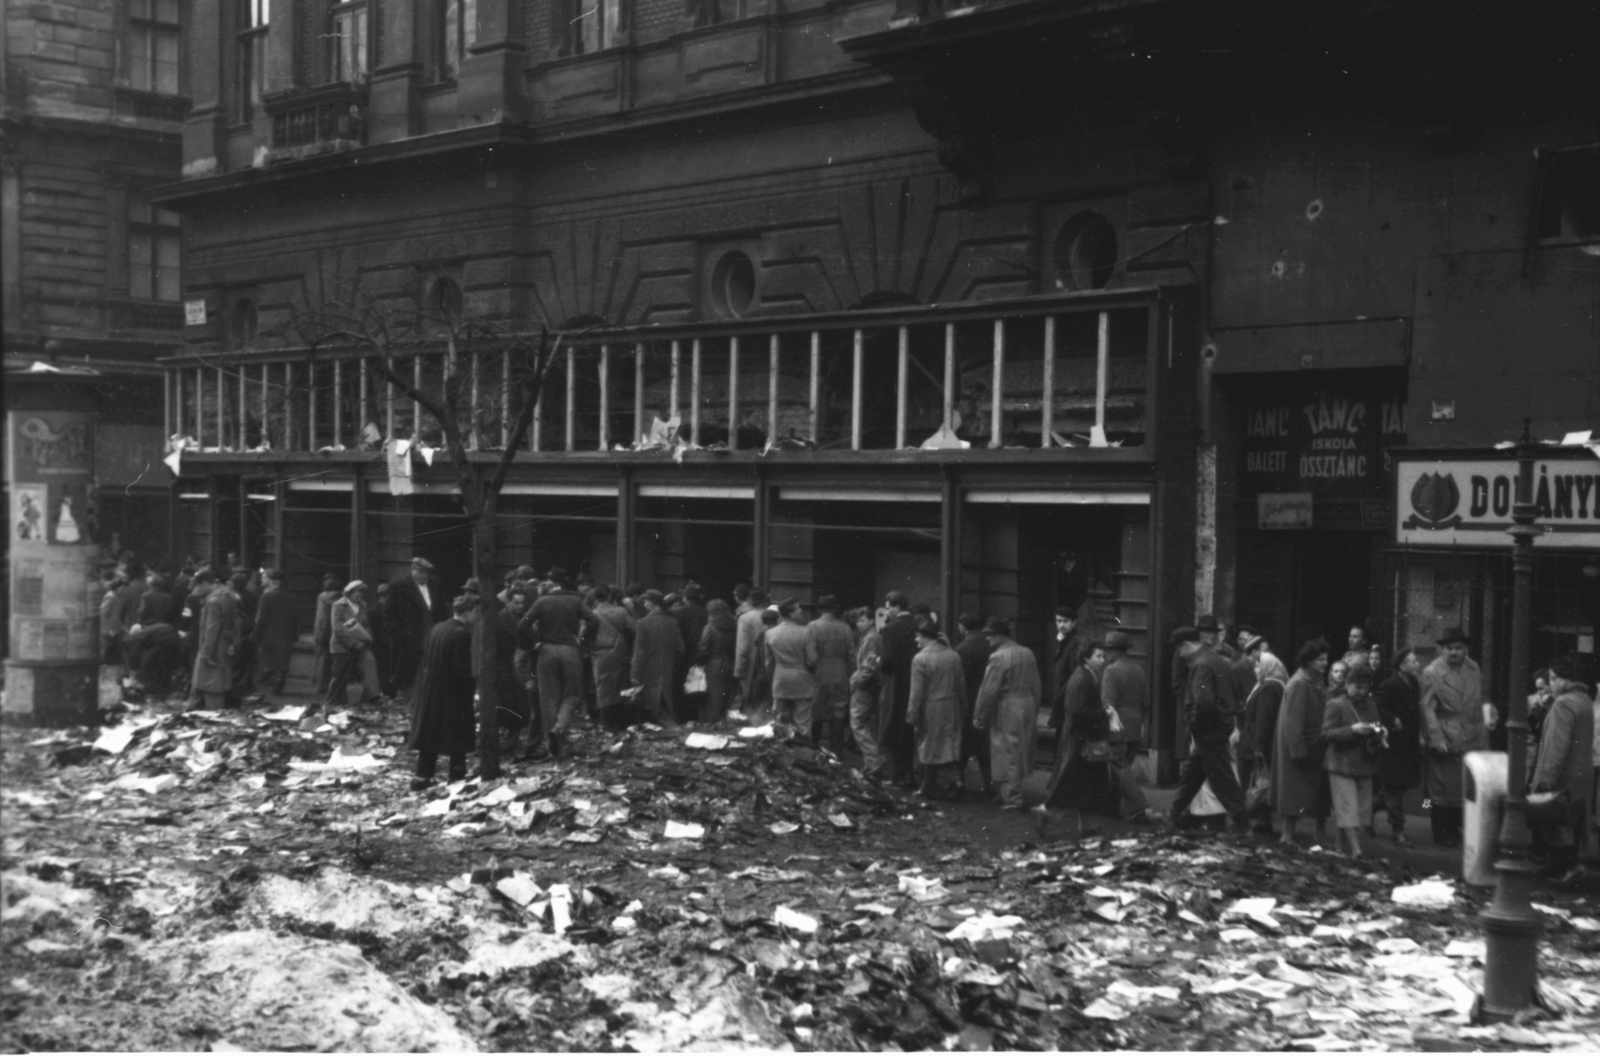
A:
x: 329, y: 114
x: 1057, y: 372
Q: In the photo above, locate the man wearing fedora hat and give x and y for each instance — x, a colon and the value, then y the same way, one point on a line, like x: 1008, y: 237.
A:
x: 1453, y: 722
x: 416, y: 603
x: 1125, y: 689
x: 1008, y: 707
x: 1565, y: 764
x: 657, y: 646
x: 791, y: 656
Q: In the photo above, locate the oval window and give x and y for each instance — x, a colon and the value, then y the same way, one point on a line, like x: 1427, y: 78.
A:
x: 1086, y: 252
x: 733, y: 285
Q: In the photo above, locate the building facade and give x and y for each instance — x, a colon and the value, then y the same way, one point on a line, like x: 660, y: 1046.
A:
x: 91, y: 269
x: 1006, y: 306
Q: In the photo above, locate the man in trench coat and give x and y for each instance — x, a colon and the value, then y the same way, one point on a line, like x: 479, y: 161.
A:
x: 1453, y: 725
x: 275, y: 631
x: 1008, y: 706
x: 219, y: 641
x: 656, y: 649
x: 416, y: 603
x: 936, y: 707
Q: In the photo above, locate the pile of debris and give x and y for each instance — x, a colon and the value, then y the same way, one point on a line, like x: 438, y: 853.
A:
x: 721, y: 888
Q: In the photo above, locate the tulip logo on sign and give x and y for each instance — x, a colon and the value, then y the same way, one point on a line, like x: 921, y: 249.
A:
x: 1434, y: 499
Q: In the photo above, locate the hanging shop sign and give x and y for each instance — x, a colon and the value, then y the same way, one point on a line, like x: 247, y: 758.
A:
x: 1330, y: 442
x: 1468, y: 502
x: 1290, y: 509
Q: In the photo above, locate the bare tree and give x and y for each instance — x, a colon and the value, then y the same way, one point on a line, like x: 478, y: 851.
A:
x: 344, y: 320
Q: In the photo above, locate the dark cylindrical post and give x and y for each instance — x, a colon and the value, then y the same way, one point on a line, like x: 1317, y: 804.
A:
x: 1510, y: 925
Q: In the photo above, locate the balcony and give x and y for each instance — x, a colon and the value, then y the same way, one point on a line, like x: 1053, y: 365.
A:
x: 1034, y: 374
x: 321, y: 120
x: 151, y: 106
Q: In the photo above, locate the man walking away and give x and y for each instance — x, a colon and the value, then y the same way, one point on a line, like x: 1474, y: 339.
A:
x: 556, y: 623
x: 656, y: 650
x: 1008, y: 706
x: 747, y: 654
x: 1453, y: 715
x: 219, y: 640
x: 974, y: 650
x: 276, y: 629
x: 865, y: 683
x: 831, y: 643
x: 322, y: 633
x: 1564, y: 765
x: 1125, y: 689
x: 350, y: 638
x: 444, y: 717
x: 512, y: 674
x: 791, y: 661
x: 937, y: 707
x: 1210, y: 711
x: 899, y: 646
x: 611, y: 654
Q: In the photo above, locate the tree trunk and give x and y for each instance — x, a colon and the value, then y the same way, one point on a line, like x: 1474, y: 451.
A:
x: 484, y: 640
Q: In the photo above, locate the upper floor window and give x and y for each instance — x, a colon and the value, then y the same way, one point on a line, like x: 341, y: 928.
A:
x: 153, y: 35
x: 713, y: 12
x: 455, y: 30
x: 154, y: 240
x: 1569, y: 194
x: 588, y: 26
x: 347, y: 38
x: 252, y: 54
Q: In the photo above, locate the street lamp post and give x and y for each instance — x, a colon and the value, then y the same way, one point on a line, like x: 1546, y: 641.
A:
x: 1510, y: 925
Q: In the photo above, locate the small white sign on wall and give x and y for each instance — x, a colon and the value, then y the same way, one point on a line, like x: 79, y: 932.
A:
x: 194, y: 312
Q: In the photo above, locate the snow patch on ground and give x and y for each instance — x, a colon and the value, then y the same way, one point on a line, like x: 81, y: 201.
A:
x: 347, y: 902
x: 280, y: 993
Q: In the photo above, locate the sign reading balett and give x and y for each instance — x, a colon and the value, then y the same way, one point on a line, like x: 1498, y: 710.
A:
x: 1468, y: 502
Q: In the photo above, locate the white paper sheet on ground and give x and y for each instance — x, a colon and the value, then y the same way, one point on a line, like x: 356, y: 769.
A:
x: 684, y: 830
x: 339, y: 761
x: 985, y: 926
x: 518, y: 888
x: 151, y: 785
x: 496, y: 796
x: 784, y: 828
x: 756, y: 731
x: 711, y: 742
x: 785, y: 917
x: 560, y: 908
x: 1427, y: 894
x: 115, y: 739
x: 287, y: 713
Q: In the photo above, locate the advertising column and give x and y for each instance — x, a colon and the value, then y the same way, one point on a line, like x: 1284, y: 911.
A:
x: 52, y: 672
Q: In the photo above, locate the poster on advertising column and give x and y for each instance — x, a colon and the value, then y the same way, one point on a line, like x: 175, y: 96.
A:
x: 1467, y: 502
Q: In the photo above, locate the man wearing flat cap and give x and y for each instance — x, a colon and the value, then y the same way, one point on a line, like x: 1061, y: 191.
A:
x: 1008, y: 707
x: 416, y: 603
x: 832, y: 644
x: 552, y: 631
x: 1208, y: 696
x: 1125, y: 689
x: 1453, y: 724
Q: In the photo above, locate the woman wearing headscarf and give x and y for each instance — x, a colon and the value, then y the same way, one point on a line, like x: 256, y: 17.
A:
x: 1262, y: 709
x: 1299, y: 784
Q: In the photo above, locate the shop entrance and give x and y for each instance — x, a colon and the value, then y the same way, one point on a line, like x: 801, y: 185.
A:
x: 1293, y: 585
x: 707, y: 540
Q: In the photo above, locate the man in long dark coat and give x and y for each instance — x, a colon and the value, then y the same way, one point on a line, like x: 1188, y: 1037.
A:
x: 1211, y: 711
x: 974, y: 650
x: 1063, y: 661
x: 444, y: 716
x: 1400, y: 769
x: 416, y: 603
x: 275, y: 631
x: 899, y: 646
x: 656, y: 649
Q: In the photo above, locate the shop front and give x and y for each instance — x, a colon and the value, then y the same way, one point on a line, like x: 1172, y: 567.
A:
x: 1313, y: 501
x: 1450, y: 564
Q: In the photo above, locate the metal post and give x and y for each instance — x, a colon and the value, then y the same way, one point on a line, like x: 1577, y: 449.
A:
x: 200, y: 406
x: 572, y: 396
x: 311, y: 406
x: 505, y: 399
x: 472, y: 407
x: 365, y: 411
x: 733, y: 393
x: 266, y: 395
x: 1102, y: 371
x: 772, y: 389
x: 1047, y: 404
x: 416, y: 405
x: 244, y: 396
x: 816, y: 382
x: 997, y: 385
x: 288, y: 406
x: 222, y: 407
x: 673, y: 404
x: 949, y: 376
x: 694, y: 391
x: 166, y: 405
x: 535, y: 434
x: 638, y: 393
x: 338, y: 401
x: 900, y: 389
x: 855, y: 394
x: 1511, y: 927
x: 388, y: 401
x: 605, y: 397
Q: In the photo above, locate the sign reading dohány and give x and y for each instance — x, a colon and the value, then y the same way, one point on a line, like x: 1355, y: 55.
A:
x: 1468, y: 503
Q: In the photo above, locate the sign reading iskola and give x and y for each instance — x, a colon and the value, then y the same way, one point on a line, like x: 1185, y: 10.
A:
x: 1468, y: 503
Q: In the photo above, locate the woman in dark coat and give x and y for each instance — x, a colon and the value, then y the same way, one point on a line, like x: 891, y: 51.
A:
x: 1263, y: 706
x: 443, y: 716
x: 715, y: 653
x: 1082, y: 778
x: 1400, y: 712
x: 1299, y: 783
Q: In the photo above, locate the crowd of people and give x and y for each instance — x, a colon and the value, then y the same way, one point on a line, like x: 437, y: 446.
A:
x: 1346, y: 734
